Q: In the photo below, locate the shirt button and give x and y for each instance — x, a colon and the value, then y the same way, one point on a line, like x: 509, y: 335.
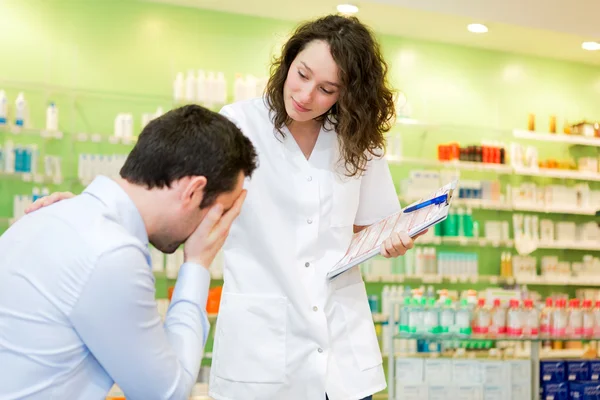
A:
x: 315, y: 308
x: 309, y: 178
x: 309, y: 221
x: 320, y: 350
x: 307, y: 264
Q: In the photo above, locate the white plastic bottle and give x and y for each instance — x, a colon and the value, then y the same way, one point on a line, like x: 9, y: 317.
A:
x: 179, y: 88
x: 596, y: 312
x: 431, y: 316
x: 9, y: 157
x: 546, y: 318
x: 589, y: 320
x: 559, y: 319
x: 3, y: 108
x: 531, y: 320
x: 462, y: 319
x: 251, y: 83
x: 497, y: 319
x: 239, y: 88
x: 21, y: 110
x: 201, y: 90
x: 119, y: 125
x: 211, y: 90
x: 575, y: 319
x: 190, y: 87
x: 447, y: 317
x: 52, y: 117
x: 221, y: 89
x: 514, y: 319
x: 128, y: 125
x: 481, y: 318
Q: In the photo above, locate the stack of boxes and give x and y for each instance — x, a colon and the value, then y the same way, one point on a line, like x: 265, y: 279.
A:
x: 570, y: 380
x: 465, y: 379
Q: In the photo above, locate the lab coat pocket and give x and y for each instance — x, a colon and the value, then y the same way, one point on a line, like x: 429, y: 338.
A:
x: 251, y: 338
x: 346, y: 195
x: 359, y: 322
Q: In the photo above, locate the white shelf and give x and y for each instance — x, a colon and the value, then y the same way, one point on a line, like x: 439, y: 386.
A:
x: 463, y: 165
x: 558, y: 173
x: 465, y: 241
x: 99, y: 138
x: 43, y: 133
x: 556, y: 138
x: 499, y: 168
x: 498, y: 206
x: 36, y: 178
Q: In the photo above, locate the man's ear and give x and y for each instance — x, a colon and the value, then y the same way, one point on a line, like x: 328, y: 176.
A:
x: 193, y: 191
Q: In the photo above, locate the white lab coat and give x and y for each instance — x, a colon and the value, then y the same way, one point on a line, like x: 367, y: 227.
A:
x: 284, y: 332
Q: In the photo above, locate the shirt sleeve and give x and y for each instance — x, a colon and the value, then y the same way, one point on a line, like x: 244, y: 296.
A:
x: 116, y: 317
x: 378, y: 198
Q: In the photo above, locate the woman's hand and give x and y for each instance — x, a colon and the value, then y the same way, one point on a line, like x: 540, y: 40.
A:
x: 47, y: 200
x: 398, y: 244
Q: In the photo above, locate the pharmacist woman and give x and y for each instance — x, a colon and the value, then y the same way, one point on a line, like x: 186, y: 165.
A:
x: 284, y: 331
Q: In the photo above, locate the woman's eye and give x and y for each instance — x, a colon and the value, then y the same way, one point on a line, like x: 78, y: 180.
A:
x: 326, y: 91
x: 301, y: 75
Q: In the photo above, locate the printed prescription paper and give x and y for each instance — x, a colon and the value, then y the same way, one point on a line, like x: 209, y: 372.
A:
x: 367, y: 243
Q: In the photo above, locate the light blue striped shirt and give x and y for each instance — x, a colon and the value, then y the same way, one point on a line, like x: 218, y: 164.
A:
x: 78, y: 309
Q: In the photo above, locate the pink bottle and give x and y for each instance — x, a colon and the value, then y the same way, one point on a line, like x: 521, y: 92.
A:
x: 531, y: 320
x: 575, y: 320
x: 546, y: 318
x: 559, y: 319
x: 481, y: 318
x: 589, y: 321
x: 498, y: 319
x: 514, y: 319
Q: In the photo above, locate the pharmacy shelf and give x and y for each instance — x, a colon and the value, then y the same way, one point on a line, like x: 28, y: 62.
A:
x: 462, y: 165
x: 587, y: 281
x: 489, y: 338
x: 465, y: 241
x: 499, y: 168
x: 100, y: 138
x: 435, y: 278
x: 558, y: 173
x: 584, y: 246
x: 35, y: 178
x: 16, y: 131
x: 498, y: 206
x: 556, y: 138
x: 582, y: 281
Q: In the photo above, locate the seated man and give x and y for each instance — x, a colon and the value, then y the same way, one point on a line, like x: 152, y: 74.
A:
x: 77, y: 296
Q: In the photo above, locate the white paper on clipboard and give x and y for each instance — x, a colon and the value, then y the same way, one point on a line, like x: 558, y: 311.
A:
x: 367, y: 243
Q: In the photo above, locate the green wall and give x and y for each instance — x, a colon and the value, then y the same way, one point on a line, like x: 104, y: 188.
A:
x: 98, y: 58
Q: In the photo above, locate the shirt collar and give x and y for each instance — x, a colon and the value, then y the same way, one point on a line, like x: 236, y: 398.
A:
x: 114, y: 197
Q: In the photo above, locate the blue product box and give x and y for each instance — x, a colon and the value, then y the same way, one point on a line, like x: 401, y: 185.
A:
x: 553, y: 371
x: 578, y: 371
x: 594, y: 366
x: 584, y: 390
x: 555, y: 391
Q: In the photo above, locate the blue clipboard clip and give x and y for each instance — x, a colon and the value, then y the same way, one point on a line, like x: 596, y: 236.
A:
x: 445, y: 198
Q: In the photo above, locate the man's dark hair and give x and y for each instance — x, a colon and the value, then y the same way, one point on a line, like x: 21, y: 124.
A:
x: 191, y: 141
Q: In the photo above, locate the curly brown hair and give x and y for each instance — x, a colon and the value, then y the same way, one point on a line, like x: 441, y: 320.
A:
x: 365, y: 108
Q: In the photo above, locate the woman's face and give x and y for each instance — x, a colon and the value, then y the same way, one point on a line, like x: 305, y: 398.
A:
x: 312, y: 85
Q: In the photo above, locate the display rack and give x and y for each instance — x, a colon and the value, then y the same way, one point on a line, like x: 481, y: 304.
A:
x: 534, y: 356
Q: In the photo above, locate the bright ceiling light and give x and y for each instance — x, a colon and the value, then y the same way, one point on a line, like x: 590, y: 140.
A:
x: 347, y: 8
x: 477, y: 28
x: 591, y: 46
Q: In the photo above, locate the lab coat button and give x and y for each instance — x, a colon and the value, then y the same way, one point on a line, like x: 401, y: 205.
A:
x: 320, y: 350
x: 309, y: 178
x: 307, y: 264
x: 309, y: 221
x: 315, y: 308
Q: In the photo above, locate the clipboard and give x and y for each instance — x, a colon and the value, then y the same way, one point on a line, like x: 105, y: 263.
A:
x: 414, y: 219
